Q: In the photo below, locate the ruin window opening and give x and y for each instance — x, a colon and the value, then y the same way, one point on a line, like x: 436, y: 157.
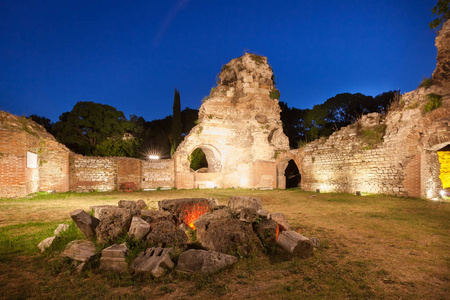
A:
x: 293, y: 176
x: 198, y: 161
x: 444, y: 172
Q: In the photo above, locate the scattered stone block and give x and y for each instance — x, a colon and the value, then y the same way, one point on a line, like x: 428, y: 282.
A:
x: 267, y: 231
x: 263, y: 213
x: 60, y: 229
x: 131, y: 206
x: 85, y: 222
x: 138, y: 228
x: 80, y: 250
x: 248, y: 214
x: 166, y: 234
x: 98, y: 209
x: 295, y: 244
x: 204, y: 262
x: 237, y: 203
x: 154, y: 260
x: 45, y: 244
x: 281, y: 220
x: 155, y: 216
x: 141, y: 204
x: 187, y: 210
x: 203, y: 221
x: 113, y: 258
x: 229, y: 236
x: 113, y: 222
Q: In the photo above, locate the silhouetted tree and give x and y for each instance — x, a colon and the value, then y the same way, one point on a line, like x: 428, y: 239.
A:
x: 176, y: 122
x: 442, y: 12
x: 46, y: 122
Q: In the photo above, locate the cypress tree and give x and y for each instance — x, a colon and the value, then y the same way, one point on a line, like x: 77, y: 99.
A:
x: 176, y: 122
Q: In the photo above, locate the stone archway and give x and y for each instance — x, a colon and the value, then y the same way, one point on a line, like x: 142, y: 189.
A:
x: 284, y: 159
x: 292, y: 175
x: 213, y: 157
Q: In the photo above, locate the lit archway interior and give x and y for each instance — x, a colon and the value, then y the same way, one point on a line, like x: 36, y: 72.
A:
x: 292, y: 174
x: 444, y: 161
x: 205, y: 159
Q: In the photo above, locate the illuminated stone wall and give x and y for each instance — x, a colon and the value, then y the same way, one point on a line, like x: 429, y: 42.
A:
x: 157, y: 174
x: 20, y: 140
x: 239, y: 130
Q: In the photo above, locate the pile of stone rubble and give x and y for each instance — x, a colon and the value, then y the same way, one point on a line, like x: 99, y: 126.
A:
x: 240, y: 229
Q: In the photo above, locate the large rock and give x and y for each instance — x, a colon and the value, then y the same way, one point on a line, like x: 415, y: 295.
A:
x: 229, y: 236
x: 295, y: 244
x: 155, y: 216
x: 237, y: 203
x: 281, y: 220
x: 113, y: 221
x: 165, y: 234
x: 138, y: 228
x: 132, y: 206
x: 85, y: 222
x: 141, y: 204
x: 80, y: 250
x: 113, y: 258
x: 187, y: 210
x: 204, y: 262
x: 248, y: 215
x: 154, y: 260
x: 267, y: 231
x: 97, y: 209
x: 202, y: 223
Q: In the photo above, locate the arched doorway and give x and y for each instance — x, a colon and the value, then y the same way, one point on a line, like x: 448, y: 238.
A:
x: 444, y: 170
x: 292, y: 174
x: 199, y: 163
x: 205, y: 159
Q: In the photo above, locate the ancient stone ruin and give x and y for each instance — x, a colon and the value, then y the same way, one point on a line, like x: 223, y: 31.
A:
x: 239, y: 130
x: 204, y: 236
x: 404, y: 152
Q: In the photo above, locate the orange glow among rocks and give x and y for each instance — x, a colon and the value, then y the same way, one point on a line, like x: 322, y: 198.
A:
x: 193, y: 213
x: 277, y: 232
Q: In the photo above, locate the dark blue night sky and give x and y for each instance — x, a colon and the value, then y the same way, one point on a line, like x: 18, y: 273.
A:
x: 132, y: 54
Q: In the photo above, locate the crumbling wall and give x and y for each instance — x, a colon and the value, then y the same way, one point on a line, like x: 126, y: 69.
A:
x: 157, y: 173
x: 89, y: 173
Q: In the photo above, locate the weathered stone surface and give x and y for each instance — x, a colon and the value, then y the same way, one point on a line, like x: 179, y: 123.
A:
x: 263, y: 213
x: 248, y: 215
x: 267, y: 231
x: 203, y: 221
x: 237, y: 203
x: 80, y: 250
x: 442, y: 72
x: 187, y: 210
x: 239, y: 129
x: 281, y: 220
x: 98, y: 208
x: 166, y: 234
x: 295, y: 244
x: 113, y: 258
x: 131, y: 206
x: 155, y: 216
x: 154, y: 260
x: 141, y: 204
x: 113, y: 221
x: 45, y: 244
x: 85, y: 222
x: 138, y: 228
x: 229, y: 236
x: 204, y: 262
x: 60, y: 229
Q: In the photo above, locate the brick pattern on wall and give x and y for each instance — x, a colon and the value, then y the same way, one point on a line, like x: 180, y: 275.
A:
x: 12, y: 164
x: 128, y: 170
x: 157, y: 173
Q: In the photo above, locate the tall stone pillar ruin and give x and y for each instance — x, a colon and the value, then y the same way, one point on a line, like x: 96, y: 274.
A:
x: 239, y: 130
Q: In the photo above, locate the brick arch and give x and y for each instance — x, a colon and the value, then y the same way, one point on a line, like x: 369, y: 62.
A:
x: 283, y: 159
x: 213, y: 156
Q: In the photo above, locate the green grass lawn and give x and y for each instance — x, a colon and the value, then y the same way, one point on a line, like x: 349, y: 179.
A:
x: 375, y: 247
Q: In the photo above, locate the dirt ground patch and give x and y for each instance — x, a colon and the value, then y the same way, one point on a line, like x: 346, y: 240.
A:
x: 377, y: 247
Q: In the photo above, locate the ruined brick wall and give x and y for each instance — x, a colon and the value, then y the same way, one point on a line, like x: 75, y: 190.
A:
x: 92, y: 173
x: 53, y: 166
x: 12, y: 163
x: 157, y: 173
x: 128, y: 170
x: 404, y: 162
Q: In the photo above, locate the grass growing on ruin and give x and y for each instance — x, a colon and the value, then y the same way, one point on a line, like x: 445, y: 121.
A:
x: 377, y: 247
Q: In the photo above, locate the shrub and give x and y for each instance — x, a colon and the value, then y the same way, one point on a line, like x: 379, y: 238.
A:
x: 434, y: 101
x: 426, y: 82
x: 373, y: 135
x: 275, y: 94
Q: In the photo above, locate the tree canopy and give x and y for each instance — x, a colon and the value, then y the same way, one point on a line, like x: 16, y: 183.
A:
x: 442, y: 12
